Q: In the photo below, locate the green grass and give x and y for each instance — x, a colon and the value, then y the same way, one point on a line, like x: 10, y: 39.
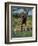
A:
x: 22, y: 34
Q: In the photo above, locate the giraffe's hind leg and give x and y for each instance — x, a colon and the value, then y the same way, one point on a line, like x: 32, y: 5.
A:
x: 21, y: 28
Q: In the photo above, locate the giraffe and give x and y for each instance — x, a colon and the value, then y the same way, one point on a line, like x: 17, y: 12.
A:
x: 24, y: 20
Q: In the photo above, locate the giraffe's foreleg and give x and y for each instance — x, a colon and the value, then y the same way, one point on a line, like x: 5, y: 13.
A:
x: 25, y: 27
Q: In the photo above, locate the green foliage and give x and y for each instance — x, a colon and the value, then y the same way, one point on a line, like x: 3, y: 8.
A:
x: 15, y: 16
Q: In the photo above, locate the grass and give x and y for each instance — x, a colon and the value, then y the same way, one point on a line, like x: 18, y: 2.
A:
x: 22, y: 34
